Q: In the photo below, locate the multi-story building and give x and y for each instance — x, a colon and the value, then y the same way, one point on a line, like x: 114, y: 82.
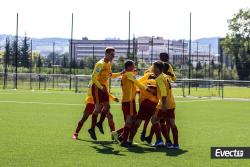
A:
x: 145, y: 48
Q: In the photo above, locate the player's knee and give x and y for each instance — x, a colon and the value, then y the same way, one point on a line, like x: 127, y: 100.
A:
x: 107, y: 107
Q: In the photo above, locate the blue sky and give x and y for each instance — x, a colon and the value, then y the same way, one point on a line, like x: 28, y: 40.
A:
x: 98, y: 19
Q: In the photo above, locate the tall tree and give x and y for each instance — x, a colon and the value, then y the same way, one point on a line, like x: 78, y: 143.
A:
x: 24, y: 52
x: 237, y: 42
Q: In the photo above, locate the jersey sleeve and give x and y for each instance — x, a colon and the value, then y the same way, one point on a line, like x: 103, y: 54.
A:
x: 115, y: 75
x: 162, y: 87
x: 144, y: 77
x: 137, y: 83
x: 96, y: 71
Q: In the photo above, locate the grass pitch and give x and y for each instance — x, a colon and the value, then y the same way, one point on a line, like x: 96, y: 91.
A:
x: 36, y: 129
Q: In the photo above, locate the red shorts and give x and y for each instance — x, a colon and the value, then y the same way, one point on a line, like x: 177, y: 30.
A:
x: 146, y: 109
x: 129, y: 108
x: 89, y: 108
x: 98, y: 95
x: 166, y: 115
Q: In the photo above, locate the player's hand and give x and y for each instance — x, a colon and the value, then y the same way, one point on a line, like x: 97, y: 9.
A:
x: 116, y: 100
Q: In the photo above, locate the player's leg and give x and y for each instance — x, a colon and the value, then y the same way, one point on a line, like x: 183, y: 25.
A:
x: 156, y: 128
x: 104, y: 99
x: 171, y: 115
x: 104, y: 112
x: 164, y: 130
x: 99, y: 124
x: 169, y: 143
x: 86, y: 113
x: 94, y: 120
x: 126, y: 131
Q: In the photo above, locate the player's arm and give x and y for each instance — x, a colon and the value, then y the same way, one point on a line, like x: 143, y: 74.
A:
x: 116, y: 75
x: 113, y: 98
x: 163, y: 90
x: 144, y: 77
x: 96, y: 71
x: 136, y: 82
x: 171, y: 73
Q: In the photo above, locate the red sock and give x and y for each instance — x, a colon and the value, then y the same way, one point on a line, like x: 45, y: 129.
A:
x: 125, y: 134
x: 164, y: 131
x: 157, y: 129
x: 145, y: 125
x: 133, y: 131
x: 119, y: 131
x: 94, y: 120
x: 175, y: 134
x: 102, y: 118
x: 79, y: 127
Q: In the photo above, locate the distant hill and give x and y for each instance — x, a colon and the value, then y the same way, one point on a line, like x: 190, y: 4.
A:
x: 44, y: 45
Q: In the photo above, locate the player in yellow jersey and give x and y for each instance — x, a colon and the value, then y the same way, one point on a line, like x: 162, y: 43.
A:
x: 164, y: 57
x: 165, y: 109
x: 147, y: 102
x: 99, y: 88
x: 89, y: 109
x: 129, y: 86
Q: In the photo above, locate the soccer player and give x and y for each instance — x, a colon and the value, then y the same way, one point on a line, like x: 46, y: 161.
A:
x: 89, y: 109
x: 164, y: 57
x: 129, y: 84
x: 165, y: 109
x: 147, y: 102
x: 99, y: 84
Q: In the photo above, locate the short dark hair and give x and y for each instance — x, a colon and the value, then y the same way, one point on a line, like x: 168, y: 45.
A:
x: 109, y: 49
x: 128, y: 63
x: 164, y: 54
x: 165, y: 67
x: 159, y: 65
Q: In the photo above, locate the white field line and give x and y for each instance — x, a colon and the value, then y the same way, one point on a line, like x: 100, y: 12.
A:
x: 72, y: 104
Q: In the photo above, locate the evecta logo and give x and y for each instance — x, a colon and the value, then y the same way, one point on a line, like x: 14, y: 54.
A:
x: 230, y: 152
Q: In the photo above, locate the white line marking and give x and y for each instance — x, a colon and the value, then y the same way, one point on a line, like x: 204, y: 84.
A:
x: 117, y: 104
x: 72, y: 104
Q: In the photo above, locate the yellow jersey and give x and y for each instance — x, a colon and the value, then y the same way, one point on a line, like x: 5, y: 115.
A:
x: 164, y: 89
x: 129, y: 84
x: 172, y: 77
x: 101, y: 74
x: 145, y: 94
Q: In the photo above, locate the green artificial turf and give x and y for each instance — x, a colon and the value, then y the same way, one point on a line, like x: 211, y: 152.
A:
x: 36, y: 129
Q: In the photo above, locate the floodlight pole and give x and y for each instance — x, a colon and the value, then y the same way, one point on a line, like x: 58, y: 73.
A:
x: 128, y: 53
x: 209, y: 57
x: 189, y: 56
x: 31, y: 52
x: 53, y: 63
x: 71, y: 51
x: 16, y: 51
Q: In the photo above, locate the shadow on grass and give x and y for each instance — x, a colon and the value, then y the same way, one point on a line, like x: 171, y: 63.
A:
x: 148, y: 149
x: 106, y: 147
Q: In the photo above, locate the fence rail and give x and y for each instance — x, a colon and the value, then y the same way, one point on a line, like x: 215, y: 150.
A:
x: 182, y: 87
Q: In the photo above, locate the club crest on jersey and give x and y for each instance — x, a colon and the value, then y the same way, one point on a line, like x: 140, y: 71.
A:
x: 97, y: 70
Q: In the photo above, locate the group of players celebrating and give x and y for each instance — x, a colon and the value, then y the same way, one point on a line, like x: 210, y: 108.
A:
x: 156, y: 102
